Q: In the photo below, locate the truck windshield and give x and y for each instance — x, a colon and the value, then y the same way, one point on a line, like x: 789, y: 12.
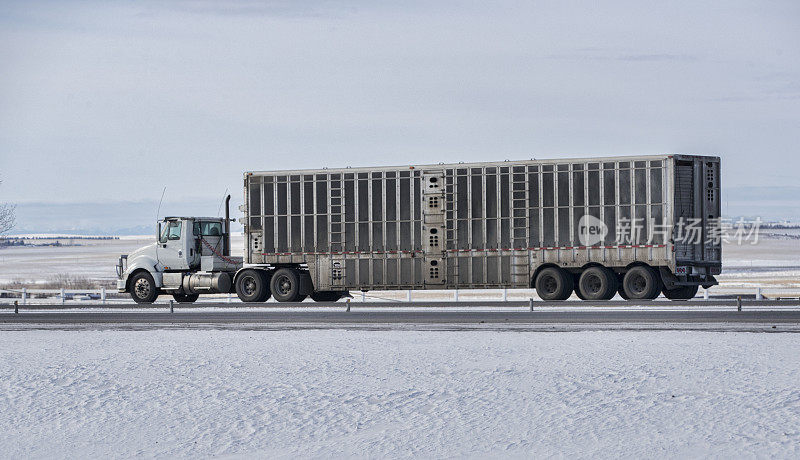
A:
x: 208, y: 228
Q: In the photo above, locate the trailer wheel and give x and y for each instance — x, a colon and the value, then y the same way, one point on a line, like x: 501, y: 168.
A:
x: 143, y: 288
x: 642, y: 282
x: 597, y: 283
x: 185, y: 298
x: 252, y: 286
x: 285, y: 286
x: 553, y: 283
x: 575, y: 278
x: 326, y: 296
x: 681, y: 293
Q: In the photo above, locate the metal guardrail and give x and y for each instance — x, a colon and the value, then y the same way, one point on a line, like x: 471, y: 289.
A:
x: 26, y: 296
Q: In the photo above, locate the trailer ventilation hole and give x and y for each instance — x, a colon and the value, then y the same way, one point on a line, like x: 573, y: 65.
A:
x: 433, y: 272
x: 434, y: 241
x: 433, y: 202
x: 336, y: 273
x: 434, y: 182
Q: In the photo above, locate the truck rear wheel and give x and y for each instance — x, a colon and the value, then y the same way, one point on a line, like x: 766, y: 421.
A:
x: 681, y: 292
x: 642, y: 282
x: 597, y: 283
x: 143, y: 288
x: 285, y: 285
x: 553, y: 283
x: 252, y: 286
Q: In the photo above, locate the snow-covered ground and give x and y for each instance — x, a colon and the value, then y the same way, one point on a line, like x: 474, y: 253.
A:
x: 340, y: 393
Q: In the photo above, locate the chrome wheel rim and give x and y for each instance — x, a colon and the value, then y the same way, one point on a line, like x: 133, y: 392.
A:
x: 142, y: 288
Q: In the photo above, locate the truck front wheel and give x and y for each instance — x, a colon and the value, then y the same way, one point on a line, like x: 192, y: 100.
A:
x: 252, y: 286
x: 143, y: 288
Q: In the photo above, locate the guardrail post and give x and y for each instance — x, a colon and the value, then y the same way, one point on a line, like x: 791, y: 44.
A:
x: 230, y: 297
x: 16, y: 307
x: 530, y: 303
x: 103, y: 294
x: 63, y: 296
x: 739, y: 303
x: 408, y: 296
x: 348, y: 305
x: 758, y: 294
x: 363, y: 296
x: 171, y: 309
x: 505, y: 294
x: 705, y: 294
x: 24, y: 296
x: 456, y: 295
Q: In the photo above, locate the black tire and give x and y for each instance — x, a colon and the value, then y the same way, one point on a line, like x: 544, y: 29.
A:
x: 681, y: 292
x: 185, y: 298
x: 143, y: 288
x: 597, y: 283
x: 575, y: 278
x: 642, y: 282
x: 252, y: 286
x: 553, y: 283
x: 285, y: 285
x: 326, y: 296
x: 621, y: 287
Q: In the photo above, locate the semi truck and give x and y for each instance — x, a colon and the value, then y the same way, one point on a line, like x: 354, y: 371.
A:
x: 635, y: 226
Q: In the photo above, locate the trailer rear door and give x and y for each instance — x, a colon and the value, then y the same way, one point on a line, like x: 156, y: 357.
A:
x: 697, y: 232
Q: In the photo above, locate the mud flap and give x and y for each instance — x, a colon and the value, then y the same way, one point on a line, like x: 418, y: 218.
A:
x: 306, y: 284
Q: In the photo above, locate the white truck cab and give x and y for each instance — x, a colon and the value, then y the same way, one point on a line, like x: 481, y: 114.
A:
x: 191, y: 255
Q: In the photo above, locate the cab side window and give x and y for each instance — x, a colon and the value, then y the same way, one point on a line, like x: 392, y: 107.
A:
x: 173, y: 230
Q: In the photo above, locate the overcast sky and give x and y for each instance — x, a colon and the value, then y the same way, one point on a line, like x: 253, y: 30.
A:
x: 104, y: 101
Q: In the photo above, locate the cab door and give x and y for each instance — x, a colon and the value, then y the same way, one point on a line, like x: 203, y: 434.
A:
x: 172, y: 246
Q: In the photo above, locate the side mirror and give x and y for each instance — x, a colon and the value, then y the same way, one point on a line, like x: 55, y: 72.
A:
x: 158, y: 232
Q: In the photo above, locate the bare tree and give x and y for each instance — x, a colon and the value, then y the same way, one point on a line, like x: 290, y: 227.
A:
x: 7, y: 217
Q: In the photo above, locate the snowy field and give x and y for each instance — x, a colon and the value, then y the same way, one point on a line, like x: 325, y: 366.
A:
x: 340, y: 393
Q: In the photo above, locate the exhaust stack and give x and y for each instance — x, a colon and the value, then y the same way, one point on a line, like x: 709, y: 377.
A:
x: 226, y: 247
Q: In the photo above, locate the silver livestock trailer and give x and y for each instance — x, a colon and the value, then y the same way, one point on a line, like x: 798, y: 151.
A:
x: 637, y: 226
